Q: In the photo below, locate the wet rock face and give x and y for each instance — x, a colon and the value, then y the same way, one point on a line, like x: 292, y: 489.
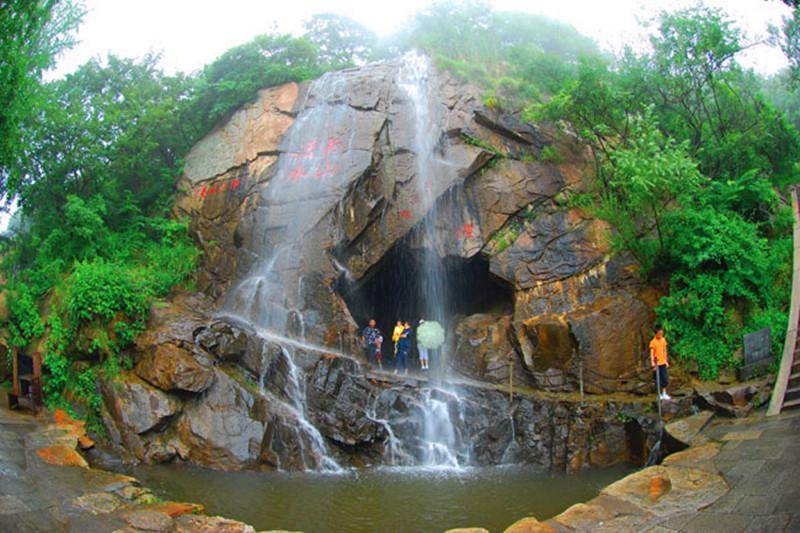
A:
x: 222, y: 178
x: 319, y: 180
x: 484, y: 350
x: 329, y: 169
x: 274, y: 406
x: 225, y: 429
x: 341, y: 400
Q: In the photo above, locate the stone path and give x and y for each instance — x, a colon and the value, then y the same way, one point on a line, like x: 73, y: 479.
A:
x: 38, y: 493
x: 760, y: 462
x: 418, y: 379
x: 739, y: 475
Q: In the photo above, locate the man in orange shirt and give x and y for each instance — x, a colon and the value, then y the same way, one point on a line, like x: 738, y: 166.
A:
x: 658, y: 359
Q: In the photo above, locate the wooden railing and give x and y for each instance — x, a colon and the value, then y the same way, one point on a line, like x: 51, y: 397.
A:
x: 785, y: 373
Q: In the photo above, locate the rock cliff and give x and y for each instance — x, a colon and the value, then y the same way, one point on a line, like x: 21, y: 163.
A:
x: 307, y: 204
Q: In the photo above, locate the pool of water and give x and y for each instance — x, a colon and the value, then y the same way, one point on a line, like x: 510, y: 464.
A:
x: 385, y: 499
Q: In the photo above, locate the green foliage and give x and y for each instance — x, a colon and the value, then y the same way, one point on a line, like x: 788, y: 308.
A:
x: 784, y: 95
x: 24, y: 324
x: 518, y: 56
x: 506, y: 236
x: 474, y: 141
x: 623, y: 418
x: 32, y: 33
x: 641, y: 181
x: 96, y: 287
x: 690, y: 160
x: 236, y: 76
x: 721, y: 269
x: 550, y: 154
x: 340, y: 41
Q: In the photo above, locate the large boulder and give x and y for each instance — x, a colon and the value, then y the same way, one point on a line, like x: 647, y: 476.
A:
x: 226, y: 428
x: 548, y: 349
x: 484, y: 349
x: 173, y: 368
x: 138, y: 418
x: 611, y: 337
x: 175, y: 321
x: 166, y: 354
x: 137, y: 406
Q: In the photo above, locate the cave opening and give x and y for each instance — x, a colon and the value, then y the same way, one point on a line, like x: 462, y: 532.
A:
x: 396, y: 289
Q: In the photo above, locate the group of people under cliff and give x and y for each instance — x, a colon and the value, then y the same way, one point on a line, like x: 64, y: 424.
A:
x: 429, y: 337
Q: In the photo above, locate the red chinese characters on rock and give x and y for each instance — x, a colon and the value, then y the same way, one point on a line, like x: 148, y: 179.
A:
x: 404, y: 214
x: 316, y: 160
x: 465, y: 231
x: 216, y: 187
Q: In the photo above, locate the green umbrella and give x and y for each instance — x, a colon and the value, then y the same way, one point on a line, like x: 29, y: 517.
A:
x: 430, y: 335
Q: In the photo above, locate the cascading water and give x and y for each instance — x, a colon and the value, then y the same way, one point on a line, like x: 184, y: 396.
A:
x: 429, y: 170
x: 318, y: 161
x: 441, y: 446
x: 308, y: 177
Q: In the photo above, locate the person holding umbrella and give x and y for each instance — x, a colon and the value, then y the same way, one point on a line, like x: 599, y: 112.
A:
x: 430, y: 337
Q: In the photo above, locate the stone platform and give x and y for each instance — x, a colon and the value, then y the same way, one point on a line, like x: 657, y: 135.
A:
x: 740, y: 475
x: 46, y: 485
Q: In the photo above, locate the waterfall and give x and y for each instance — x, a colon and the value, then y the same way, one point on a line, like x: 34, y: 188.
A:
x: 440, y: 437
x: 442, y: 445
x: 318, y: 160
x: 394, y: 453
x: 414, y: 79
x: 309, y: 176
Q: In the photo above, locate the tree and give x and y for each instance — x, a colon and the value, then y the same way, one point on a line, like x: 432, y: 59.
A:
x: 519, y: 58
x: 788, y: 38
x: 115, y: 129
x: 784, y: 95
x: 690, y: 160
x: 236, y: 76
x: 32, y: 34
x: 340, y: 41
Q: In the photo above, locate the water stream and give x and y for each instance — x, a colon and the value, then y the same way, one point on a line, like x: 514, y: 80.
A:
x: 309, y: 180
x: 444, y: 449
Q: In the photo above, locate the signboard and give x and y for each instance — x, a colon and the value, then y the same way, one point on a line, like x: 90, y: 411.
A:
x: 757, y: 353
x: 757, y: 346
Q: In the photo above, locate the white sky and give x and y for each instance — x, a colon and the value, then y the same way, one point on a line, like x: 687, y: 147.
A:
x: 191, y: 33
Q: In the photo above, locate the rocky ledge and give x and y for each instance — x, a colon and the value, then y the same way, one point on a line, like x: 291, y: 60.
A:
x: 47, y: 485
x: 736, y: 475
x: 216, y: 393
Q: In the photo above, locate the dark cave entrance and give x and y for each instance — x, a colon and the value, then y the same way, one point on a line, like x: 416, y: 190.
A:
x: 395, y: 289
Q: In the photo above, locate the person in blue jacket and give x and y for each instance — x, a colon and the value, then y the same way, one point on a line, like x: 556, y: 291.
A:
x: 403, y: 347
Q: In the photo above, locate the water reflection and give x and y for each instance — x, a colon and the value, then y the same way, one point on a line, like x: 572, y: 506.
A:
x: 384, y: 499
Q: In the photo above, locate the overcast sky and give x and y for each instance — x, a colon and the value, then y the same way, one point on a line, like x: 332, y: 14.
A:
x: 191, y: 33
